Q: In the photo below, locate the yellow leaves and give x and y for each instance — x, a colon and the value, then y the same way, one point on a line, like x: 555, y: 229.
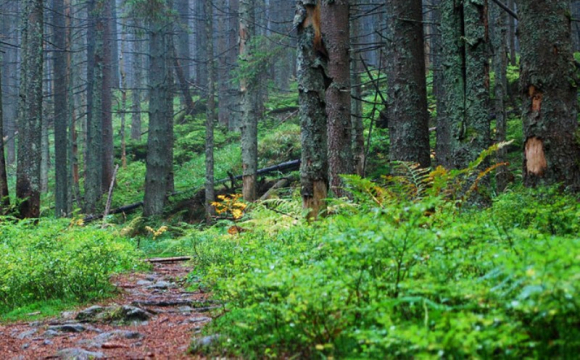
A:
x: 77, y: 222
x: 157, y: 232
x: 230, y: 204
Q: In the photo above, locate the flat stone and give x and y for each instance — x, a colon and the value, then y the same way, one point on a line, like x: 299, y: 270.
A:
x: 78, y: 354
x: 204, y: 342
x: 185, y: 309
x: 67, y: 314
x: 70, y: 328
x: 132, y: 313
x: 118, y: 334
x: 198, y: 319
x: 25, y: 346
x: 47, y: 342
x: 144, y: 283
x: 50, y: 333
x: 161, y: 285
x: 26, y: 334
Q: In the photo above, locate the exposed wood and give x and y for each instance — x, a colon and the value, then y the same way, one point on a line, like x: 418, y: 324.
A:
x: 168, y: 259
x: 281, y: 183
x: 110, y: 195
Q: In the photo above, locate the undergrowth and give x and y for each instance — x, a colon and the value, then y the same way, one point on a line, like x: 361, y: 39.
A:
x: 397, y: 274
x: 58, y: 260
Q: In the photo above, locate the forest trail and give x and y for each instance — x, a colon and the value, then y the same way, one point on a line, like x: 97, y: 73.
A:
x: 152, y: 318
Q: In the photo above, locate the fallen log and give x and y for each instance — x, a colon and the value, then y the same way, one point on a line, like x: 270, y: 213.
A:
x: 168, y: 259
x: 281, y: 183
x: 282, y: 167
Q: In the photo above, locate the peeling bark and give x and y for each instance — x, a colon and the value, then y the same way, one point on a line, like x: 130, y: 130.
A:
x: 548, y: 86
x: 311, y: 97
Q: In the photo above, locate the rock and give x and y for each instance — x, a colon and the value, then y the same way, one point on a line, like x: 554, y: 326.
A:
x: 26, y: 334
x: 90, y: 314
x: 50, y: 333
x: 71, y: 328
x: 132, y: 313
x: 161, y: 285
x: 78, y: 354
x: 47, y: 342
x: 185, y: 309
x: 151, y: 277
x: 67, y: 315
x: 118, y: 334
x: 198, y: 319
x: 202, y: 343
x: 144, y: 283
x: 25, y: 346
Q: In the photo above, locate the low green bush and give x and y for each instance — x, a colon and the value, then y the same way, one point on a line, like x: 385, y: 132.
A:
x: 399, y: 277
x: 57, y: 259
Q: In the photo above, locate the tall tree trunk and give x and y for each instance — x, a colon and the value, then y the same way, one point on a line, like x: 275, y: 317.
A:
x: 94, y: 141
x: 250, y: 92
x: 137, y: 84
x: 336, y: 32
x: 107, y: 96
x: 512, y: 35
x: 407, y: 88
x: 30, y: 119
x: 4, y: 199
x: 210, y: 114
x: 498, y: 40
x: 61, y: 116
x: 465, y: 132
x: 311, y: 97
x: 159, y: 143
x: 183, y: 49
x: 549, y: 102
x: 356, y: 111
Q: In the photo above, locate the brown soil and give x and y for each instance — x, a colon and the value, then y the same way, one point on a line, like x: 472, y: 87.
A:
x: 166, y: 335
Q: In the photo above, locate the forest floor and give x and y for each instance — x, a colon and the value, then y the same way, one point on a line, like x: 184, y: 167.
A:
x: 152, y: 318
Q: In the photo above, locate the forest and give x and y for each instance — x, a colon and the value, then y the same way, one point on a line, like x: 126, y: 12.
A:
x: 333, y: 179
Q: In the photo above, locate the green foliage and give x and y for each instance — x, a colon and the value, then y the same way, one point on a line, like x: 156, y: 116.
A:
x: 280, y: 145
x: 399, y: 274
x: 58, y: 259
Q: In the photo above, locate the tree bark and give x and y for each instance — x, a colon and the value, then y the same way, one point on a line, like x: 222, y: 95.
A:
x: 210, y: 114
x: 312, y: 99
x: 94, y: 141
x: 549, y: 95
x: 498, y: 41
x: 407, y: 88
x: 335, y: 32
x: 465, y: 133
x: 249, y: 90
x: 61, y: 116
x: 159, y: 170
x: 4, y: 199
x: 109, y: 43
x: 30, y: 119
x: 356, y: 111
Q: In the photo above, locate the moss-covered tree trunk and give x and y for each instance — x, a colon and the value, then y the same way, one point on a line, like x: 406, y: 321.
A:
x: 30, y: 105
x: 336, y: 34
x: 160, y: 137
x: 311, y: 96
x: 407, y: 89
x: 356, y: 108
x: 465, y: 132
x: 249, y: 90
x: 548, y: 87
x: 498, y: 40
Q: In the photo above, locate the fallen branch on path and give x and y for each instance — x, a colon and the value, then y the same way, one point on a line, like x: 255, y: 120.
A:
x: 168, y: 259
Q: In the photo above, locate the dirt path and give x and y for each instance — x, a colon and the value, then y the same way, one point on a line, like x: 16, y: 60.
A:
x: 154, y: 318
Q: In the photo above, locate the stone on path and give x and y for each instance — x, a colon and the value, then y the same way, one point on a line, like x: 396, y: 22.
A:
x: 78, y: 354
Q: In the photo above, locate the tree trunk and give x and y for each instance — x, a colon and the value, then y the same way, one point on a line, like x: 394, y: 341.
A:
x: 512, y: 35
x: 4, y: 199
x: 465, y: 133
x: 210, y: 114
x: 407, y: 88
x: 356, y: 111
x: 30, y: 119
x: 549, y: 95
x: 311, y: 97
x: 61, y: 116
x: 94, y: 141
x: 137, y: 84
x: 249, y: 90
x: 159, y: 143
x: 498, y: 41
x: 336, y: 32
x: 107, y: 96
